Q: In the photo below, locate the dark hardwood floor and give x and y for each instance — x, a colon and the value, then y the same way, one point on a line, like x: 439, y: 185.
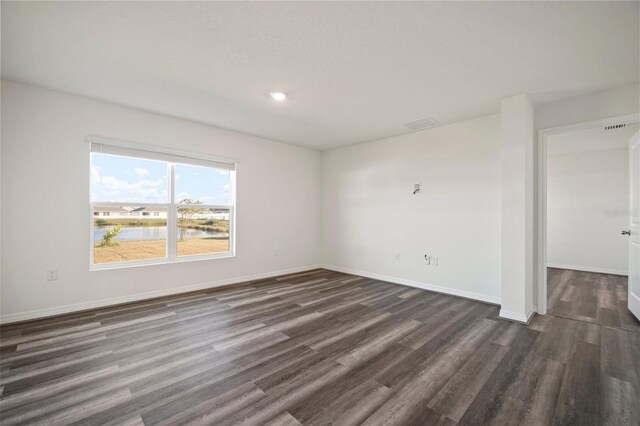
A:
x: 316, y: 348
x: 590, y: 297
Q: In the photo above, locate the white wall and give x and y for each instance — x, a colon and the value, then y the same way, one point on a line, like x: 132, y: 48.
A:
x: 588, y: 200
x: 613, y: 102
x: 517, y: 149
x: 45, y: 168
x: 370, y: 215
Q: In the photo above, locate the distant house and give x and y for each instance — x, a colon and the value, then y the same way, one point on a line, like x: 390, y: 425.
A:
x: 212, y: 214
x: 153, y: 212
x: 122, y: 212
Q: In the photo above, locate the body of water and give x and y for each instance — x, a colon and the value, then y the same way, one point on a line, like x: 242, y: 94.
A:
x: 150, y: 233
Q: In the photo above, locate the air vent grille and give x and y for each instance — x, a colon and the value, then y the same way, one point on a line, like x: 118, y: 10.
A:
x: 615, y: 126
x: 423, y: 123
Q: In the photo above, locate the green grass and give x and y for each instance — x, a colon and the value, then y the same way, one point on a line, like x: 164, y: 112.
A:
x: 210, y: 225
x: 130, y: 222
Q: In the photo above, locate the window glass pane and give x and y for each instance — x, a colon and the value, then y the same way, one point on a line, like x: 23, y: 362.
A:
x: 127, y: 179
x: 202, y: 230
x: 129, y: 233
x: 204, y: 184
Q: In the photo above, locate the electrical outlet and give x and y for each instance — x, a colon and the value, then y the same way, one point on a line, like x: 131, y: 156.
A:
x: 397, y: 256
x: 52, y: 274
x: 416, y: 189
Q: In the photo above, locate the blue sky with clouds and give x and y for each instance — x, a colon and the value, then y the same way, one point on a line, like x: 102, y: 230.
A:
x: 135, y: 180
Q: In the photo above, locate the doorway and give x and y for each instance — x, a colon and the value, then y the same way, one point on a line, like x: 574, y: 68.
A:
x: 584, y: 207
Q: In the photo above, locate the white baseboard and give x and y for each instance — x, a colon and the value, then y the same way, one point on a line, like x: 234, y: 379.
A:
x: 634, y: 304
x: 518, y: 316
x: 587, y: 269
x: 424, y: 286
x: 59, y: 310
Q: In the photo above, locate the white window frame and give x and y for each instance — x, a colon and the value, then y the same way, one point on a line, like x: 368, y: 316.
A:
x: 179, y: 157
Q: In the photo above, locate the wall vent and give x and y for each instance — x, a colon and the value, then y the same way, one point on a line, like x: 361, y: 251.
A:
x: 423, y: 123
x: 615, y: 126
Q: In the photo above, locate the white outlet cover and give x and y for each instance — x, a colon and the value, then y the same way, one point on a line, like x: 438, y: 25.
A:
x: 52, y: 274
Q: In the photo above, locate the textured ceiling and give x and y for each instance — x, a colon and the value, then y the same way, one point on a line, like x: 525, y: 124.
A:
x: 354, y: 71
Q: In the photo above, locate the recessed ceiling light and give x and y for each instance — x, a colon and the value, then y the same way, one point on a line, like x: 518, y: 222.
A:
x: 278, y: 96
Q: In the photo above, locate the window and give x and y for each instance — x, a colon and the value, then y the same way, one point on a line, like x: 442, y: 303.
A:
x: 150, y: 207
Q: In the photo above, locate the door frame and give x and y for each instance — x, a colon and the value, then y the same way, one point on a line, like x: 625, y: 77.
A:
x: 543, y: 135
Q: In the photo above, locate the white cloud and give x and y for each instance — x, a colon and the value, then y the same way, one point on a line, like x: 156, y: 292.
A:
x: 111, y: 188
x: 95, y: 174
x: 154, y: 183
x: 140, y: 171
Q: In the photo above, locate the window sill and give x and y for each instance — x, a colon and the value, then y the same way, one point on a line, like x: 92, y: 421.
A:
x: 155, y: 262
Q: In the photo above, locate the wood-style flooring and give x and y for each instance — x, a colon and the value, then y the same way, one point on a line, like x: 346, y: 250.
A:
x: 591, y: 297
x: 316, y: 348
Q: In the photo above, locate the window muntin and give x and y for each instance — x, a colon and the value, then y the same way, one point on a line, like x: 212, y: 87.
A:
x: 162, y: 217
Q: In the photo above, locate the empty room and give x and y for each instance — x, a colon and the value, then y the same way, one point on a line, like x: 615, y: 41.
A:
x: 313, y: 213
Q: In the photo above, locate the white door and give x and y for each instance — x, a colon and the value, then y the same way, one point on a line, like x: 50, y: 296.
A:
x: 634, y: 225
